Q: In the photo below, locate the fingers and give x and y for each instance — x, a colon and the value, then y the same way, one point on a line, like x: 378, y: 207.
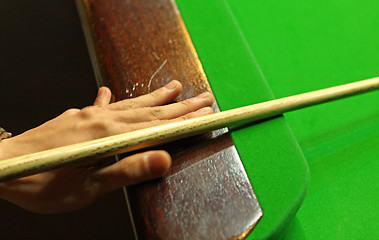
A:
x: 180, y: 109
x: 103, y: 97
x: 159, y: 97
x: 167, y: 112
x: 201, y: 112
x: 131, y: 170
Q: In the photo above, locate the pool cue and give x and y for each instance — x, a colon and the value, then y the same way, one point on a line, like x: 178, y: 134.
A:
x: 78, y: 153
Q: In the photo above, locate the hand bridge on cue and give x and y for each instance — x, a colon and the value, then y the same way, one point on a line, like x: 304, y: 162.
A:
x: 51, y: 159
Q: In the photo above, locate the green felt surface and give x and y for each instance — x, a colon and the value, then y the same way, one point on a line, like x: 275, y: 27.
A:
x: 253, y: 49
x: 272, y: 158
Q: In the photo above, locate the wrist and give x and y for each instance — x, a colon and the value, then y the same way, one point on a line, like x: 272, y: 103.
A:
x: 4, y: 136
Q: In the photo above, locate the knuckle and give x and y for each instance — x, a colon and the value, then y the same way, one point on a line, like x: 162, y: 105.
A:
x: 155, y: 113
x: 131, y: 104
x: 99, y: 125
x: 71, y: 111
x: 155, y: 94
x: 98, y: 128
x: 188, y: 102
x: 89, y: 112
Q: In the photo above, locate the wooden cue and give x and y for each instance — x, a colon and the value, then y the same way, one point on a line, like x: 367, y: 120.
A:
x: 78, y: 153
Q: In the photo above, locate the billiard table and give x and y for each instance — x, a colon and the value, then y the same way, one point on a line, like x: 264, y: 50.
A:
x: 314, y: 170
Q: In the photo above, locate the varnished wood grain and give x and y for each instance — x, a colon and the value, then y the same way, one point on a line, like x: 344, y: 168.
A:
x: 136, y: 47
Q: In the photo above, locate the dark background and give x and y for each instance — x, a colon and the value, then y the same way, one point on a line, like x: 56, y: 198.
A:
x: 44, y: 70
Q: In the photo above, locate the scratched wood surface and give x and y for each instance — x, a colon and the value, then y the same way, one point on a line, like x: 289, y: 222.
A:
x: 136, y: 47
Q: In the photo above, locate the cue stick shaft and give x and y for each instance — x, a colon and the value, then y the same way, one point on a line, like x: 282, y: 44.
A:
x: 78, y: 153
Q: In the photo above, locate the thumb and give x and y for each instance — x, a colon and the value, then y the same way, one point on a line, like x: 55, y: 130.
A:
x: 103, y: 97
x: 133, y: 169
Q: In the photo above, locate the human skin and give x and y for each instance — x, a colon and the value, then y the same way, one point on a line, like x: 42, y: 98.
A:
x: 75, y: 187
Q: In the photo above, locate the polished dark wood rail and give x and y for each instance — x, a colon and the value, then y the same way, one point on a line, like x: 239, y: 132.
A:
x: 136, y: 47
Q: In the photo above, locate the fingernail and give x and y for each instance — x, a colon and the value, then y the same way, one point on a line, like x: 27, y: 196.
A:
x: 171, y: 85
x: 204, y: 95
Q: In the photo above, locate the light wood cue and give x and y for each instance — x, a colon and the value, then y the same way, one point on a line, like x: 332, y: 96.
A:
x: 78, y: 153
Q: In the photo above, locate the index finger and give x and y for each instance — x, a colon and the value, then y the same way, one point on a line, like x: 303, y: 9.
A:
x: 159, y: 97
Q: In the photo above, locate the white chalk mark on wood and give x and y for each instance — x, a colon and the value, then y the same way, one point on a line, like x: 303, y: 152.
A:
x: 155, y: 73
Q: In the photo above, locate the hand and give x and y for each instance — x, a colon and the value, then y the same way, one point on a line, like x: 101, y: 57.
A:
x: 71, y: 188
